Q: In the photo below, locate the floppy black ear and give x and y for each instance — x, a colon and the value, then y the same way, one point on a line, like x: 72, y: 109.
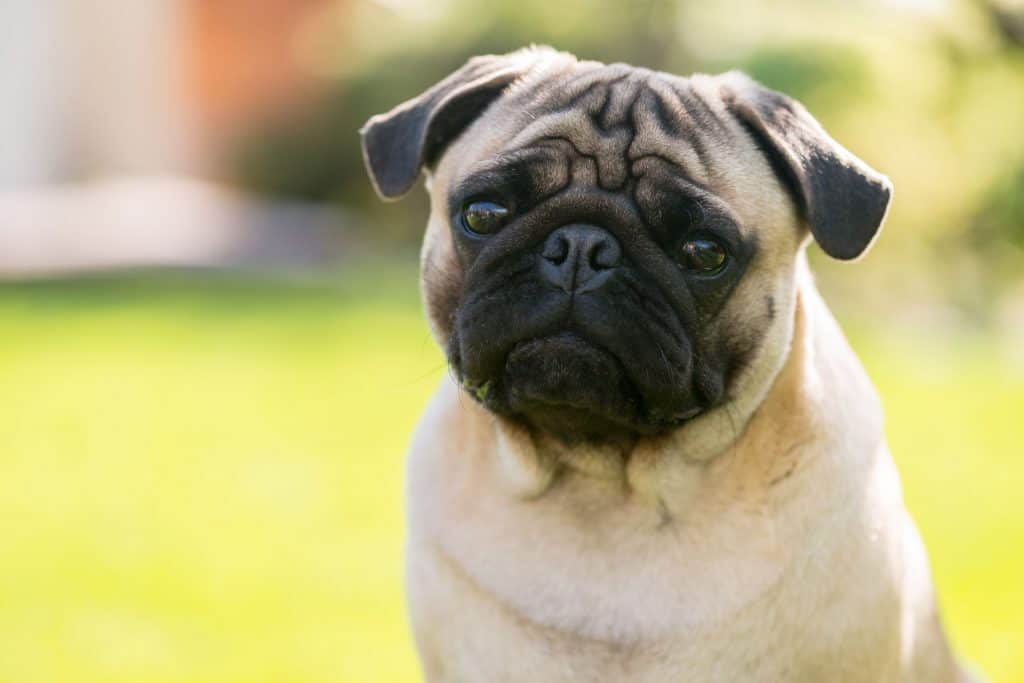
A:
x: 399, y: 143
x: 842, y: 199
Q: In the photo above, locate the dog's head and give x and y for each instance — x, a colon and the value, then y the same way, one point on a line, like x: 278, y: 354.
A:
x: 610, y: 248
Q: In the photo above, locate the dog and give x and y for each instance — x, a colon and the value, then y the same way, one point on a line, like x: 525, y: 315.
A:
x: 656, y: 458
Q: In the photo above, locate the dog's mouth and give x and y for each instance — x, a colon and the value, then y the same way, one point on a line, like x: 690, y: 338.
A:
x: 571, y: 387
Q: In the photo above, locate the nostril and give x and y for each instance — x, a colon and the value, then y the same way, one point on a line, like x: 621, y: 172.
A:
x: 556, y: 248
x: 581, y: 249
x: 578, y: 258
x: 605, y: 254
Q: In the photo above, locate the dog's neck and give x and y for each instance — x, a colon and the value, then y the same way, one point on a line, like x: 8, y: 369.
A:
x: 754, y: 442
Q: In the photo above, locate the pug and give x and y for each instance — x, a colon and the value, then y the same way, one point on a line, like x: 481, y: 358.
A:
x: 656, y: 458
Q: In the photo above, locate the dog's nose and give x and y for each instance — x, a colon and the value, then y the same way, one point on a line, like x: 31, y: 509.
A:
x: 579, y: 257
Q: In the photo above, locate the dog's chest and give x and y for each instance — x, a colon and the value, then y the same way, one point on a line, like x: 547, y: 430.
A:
x: 594, y: 585
x: 496, y: 615
x: 602, y: 566
x: 499, y: 620
x: 466, y: 634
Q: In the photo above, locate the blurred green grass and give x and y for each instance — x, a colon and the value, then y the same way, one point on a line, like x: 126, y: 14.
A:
x: 201, y: 478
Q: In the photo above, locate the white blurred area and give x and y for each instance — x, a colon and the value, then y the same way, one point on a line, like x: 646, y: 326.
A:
x: 90, y: 88
x: 113, y: 115
x: 172, y: 221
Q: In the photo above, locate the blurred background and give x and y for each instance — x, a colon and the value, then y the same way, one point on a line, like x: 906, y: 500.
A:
x: 211, y: 346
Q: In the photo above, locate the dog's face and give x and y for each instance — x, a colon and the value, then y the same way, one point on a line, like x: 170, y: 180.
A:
x: 610, y: 251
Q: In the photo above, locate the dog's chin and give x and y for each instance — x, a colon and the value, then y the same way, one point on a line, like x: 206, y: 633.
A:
x: 570, y: 388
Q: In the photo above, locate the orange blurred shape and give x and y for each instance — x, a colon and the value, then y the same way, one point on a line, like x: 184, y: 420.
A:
x: 240, y: 62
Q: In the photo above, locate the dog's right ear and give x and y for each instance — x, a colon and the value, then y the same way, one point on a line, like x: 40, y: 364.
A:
x: 400, y: 143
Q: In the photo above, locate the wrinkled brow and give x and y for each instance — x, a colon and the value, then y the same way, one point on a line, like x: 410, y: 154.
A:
x: 531, y: 173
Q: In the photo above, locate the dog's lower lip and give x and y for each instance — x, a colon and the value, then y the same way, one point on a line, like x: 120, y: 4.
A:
x: 567, y: 336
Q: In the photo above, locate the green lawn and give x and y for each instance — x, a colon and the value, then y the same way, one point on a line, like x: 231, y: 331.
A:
x: 200, y: 479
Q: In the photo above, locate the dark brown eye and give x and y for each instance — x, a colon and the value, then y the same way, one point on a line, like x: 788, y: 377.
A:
x: 703, y: 256
x: 483, y: 217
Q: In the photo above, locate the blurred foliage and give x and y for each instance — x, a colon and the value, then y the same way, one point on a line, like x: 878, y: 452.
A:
x: 931, y: 93
x: 1002, y: 212
x: 823, y: 77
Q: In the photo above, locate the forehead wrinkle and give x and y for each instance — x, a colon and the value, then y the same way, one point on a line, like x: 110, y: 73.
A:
x: 606, y: 148
x: 707, y: 116
x: 592, y: 114
x: 670, y: 135
x: 618, y: 108
x: 614, y: 116
x: 677, y: 115
x: 542, y: 168
x: 563, y: 93
x: 606, y: 120
x: 641, y: 165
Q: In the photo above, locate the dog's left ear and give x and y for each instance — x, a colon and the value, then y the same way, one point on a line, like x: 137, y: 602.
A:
x: 842, y: 199
x: 401, y: 142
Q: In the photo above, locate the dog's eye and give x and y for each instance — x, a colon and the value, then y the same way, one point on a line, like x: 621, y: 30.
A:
x: 703, y: 256
x: 483, y: 217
